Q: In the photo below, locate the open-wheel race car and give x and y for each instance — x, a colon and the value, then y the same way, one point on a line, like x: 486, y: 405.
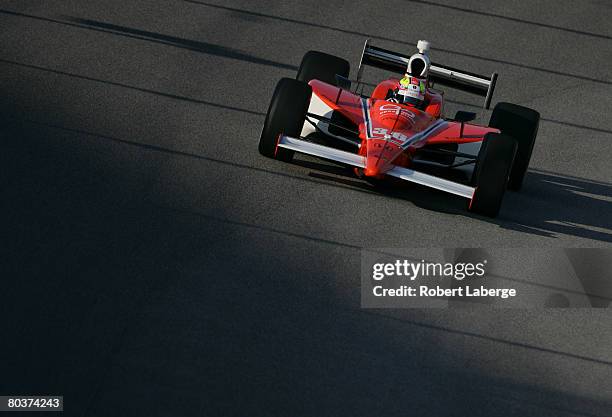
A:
x: 400, y: 130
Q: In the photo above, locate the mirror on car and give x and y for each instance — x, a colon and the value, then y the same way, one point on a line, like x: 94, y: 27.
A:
x: 464, y: 116
x: 343, y: 82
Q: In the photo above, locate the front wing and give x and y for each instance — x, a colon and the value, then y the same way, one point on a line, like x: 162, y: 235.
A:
x: 358, y: 161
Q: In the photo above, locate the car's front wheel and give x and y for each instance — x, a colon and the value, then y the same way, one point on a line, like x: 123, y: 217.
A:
x: 491, y: 173
x: 522, y: 124
x: 286, y: 115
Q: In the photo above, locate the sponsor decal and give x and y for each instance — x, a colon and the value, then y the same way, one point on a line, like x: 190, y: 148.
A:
x: 395, y: 109
x: 396, y: 137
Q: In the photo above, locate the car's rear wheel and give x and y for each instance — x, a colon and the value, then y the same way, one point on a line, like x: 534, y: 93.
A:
x: 491, y: 173
x: 286, y: 115
x: 522, y: 124
x: 321, y: 66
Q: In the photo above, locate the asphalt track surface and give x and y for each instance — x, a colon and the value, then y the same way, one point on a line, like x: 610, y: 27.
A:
x: 156, y: 264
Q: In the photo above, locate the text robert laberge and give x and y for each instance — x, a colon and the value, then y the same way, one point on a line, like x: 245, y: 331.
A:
x: 407, y: 270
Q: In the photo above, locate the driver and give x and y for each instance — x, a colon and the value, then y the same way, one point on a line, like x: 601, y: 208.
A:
x: 411, y: 89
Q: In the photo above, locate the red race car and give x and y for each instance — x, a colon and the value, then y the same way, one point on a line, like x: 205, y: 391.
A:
x: 399, y: 130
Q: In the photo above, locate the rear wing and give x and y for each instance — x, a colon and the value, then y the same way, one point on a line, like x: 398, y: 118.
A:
x: 441, y: 74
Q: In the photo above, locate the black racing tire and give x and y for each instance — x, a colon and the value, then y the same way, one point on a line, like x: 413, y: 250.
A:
x: 522, y: 124
x: 491, y: 173
x: 286, y: 115
x: 323, y: 67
